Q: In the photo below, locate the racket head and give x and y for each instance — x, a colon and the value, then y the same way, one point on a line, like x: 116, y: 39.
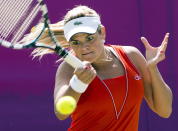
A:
x: 17, y: 20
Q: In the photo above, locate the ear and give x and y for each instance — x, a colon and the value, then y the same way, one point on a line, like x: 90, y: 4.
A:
x: 103, y: 32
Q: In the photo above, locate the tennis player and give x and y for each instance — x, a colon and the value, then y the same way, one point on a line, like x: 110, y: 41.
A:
x: 110, y: 88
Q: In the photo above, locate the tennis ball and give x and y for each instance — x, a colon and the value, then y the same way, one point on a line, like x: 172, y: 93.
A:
x: 66, y: 105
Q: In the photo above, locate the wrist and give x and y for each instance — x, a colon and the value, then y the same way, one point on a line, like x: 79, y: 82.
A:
x: 77, y: 85
x: 152, y: 67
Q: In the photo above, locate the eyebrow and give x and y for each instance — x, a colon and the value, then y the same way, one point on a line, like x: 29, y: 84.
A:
x: 74, y: 39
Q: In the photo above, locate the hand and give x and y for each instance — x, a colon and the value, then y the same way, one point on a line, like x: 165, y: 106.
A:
x: 86, y: 74
x: 154, y: 55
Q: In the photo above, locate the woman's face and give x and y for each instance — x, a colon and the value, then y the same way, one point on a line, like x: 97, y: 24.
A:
x: 88, y: 47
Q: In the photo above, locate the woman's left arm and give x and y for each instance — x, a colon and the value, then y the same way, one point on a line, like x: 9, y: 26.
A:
x: 157, y: 93
x: 161, y: 93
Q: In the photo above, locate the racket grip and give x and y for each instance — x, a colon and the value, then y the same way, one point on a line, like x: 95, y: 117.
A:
x: 73, y: 61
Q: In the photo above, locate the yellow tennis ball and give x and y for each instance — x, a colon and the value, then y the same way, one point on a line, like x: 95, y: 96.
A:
x: 66, y: 105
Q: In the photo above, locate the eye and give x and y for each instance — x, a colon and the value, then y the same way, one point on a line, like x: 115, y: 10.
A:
x: 90, y: 38
x: 75, y: 42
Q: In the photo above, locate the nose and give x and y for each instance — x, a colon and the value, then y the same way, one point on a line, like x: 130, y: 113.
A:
x: 85, y: 46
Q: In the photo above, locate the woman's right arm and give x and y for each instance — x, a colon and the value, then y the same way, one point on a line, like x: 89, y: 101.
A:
x: 62, y: 87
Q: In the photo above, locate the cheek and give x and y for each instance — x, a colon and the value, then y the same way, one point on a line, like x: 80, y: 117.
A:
x: 99, y: 46
x: 76, y: 51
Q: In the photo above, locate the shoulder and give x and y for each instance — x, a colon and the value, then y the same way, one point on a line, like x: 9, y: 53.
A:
x: 133, y: 53
x: 135, y: 56
x: 139, y: 62
x: 131, y: 50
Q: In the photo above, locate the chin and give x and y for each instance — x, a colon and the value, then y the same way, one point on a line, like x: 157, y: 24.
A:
x: 89, y: 60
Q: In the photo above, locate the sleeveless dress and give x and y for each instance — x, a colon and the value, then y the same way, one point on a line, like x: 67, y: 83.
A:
x: 111, y: 104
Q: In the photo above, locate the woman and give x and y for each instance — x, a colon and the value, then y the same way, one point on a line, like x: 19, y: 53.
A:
x: 110, y: 87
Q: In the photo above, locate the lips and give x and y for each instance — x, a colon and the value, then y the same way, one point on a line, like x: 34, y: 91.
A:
x: 84, y: 54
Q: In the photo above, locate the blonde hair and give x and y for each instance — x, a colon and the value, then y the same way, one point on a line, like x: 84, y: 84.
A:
x: 76, y: 12
x: 79, y: 11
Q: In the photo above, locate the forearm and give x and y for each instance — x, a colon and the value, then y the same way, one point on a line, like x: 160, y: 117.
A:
x: 162, y: 95
x: 74, y: 84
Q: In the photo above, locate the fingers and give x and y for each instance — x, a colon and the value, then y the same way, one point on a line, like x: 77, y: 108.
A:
x: 145, y: 42
x: 164, y: 44
x: 162, y: 48
x: 166, y: 37
x: 86, y: 74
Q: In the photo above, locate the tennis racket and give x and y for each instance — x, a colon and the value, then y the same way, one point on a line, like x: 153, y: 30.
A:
x: 18, y: 17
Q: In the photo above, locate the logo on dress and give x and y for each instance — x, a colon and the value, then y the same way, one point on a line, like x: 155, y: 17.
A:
x: 137, y: 77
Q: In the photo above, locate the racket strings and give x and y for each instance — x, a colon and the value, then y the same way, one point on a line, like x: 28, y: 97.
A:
x: 5, y: 6
x: 16, y: 18
x: 26, y: 23
x: 11, y: 12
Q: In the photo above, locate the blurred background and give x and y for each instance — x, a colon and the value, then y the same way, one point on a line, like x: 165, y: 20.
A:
x: 26, y: 85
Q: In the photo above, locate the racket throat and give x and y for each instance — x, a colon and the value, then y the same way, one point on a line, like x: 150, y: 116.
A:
x: 62, y: 52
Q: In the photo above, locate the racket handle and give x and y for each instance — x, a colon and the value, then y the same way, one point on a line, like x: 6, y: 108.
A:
x: 73, y: 61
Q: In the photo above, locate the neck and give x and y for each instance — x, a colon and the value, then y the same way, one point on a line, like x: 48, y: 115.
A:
x: 105, y: 59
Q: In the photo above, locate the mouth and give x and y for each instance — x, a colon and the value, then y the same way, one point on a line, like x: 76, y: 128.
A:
x: 85, y: 54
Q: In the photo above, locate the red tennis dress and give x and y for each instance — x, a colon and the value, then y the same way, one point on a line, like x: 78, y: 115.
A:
x: 111, y: 105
